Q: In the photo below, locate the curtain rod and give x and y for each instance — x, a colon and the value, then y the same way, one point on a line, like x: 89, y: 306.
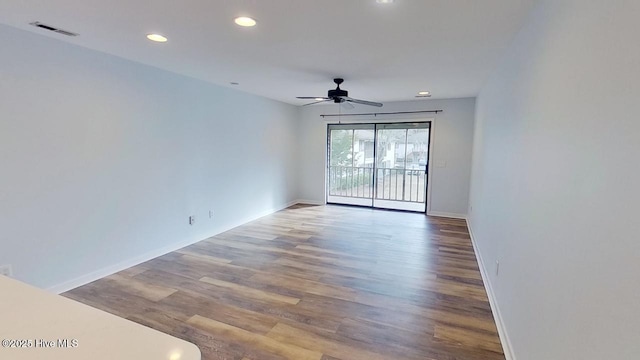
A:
x: 389, y: 113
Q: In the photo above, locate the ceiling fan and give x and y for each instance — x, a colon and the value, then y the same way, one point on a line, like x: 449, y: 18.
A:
x: 338, y: 96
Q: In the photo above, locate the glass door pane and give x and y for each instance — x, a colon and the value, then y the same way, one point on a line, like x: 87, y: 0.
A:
x: 351, y: 160
x: 390, y: 163
x: 416, y: 168
x: 402, y: 152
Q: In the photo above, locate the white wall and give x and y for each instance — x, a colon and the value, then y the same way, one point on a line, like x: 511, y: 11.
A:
x: 452, y: 142
x: 103, y: 160
x: 555, y: 182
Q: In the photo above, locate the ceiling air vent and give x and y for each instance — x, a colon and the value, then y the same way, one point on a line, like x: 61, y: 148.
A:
x: 51, y: 28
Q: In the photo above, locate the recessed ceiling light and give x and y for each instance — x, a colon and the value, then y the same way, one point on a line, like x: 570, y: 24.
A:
x: 245, y: 21
x: 423, y: 93
x: 156, y: 38
x: 319, y: 99
x: 384, y: 1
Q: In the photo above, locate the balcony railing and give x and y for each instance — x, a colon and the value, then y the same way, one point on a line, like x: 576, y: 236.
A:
x: 351, y: 181
x: 391, y: 184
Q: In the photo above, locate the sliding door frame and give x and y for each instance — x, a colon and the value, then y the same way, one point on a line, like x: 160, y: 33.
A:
x: 430, y: 121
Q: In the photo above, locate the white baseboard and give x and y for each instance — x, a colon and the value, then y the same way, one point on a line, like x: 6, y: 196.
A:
x: 430, y: 213
x: 309, y: 202
x: 502, y: 330
x: 112, y: 269
x: 447, y: 215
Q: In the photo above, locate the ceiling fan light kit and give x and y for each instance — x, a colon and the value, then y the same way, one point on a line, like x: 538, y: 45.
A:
x: 338, y: 96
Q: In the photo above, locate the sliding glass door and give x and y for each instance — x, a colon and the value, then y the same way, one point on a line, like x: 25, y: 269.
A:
x: 402, y: 153
x: 351, y: 160
x: 379, y: 165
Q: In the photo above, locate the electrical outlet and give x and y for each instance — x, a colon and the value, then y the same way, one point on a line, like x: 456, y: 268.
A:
x: 210, y: 214
x: 6, y: 270
x: 497, y: 267
x: 192, y: 220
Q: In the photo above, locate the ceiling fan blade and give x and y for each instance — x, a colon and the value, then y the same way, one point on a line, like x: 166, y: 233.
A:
x: 347, y: 105
x: 363, y: 102
x: 311, y: 97
x: 317, y: 102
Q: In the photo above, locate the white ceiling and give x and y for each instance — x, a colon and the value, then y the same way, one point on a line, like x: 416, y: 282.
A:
x: 384, y: 52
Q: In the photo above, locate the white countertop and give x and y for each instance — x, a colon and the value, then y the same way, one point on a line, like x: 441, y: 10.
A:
x: 36, y: 319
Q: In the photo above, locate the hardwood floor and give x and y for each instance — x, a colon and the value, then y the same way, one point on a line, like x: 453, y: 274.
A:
x: 316, y: 282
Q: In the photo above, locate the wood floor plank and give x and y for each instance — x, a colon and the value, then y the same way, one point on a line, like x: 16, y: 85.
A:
x: 338, y: 270
x: 215, y: 298
x: 288, y: 334
x: 250, y: 292
x: 319, y: 283
x: 133, y: 286
x: 188, y: 303
x: 306, y: 286
x: 469, y: 338
x: 406, y: 342
x: 249, y: 339
x: 205, y: 257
